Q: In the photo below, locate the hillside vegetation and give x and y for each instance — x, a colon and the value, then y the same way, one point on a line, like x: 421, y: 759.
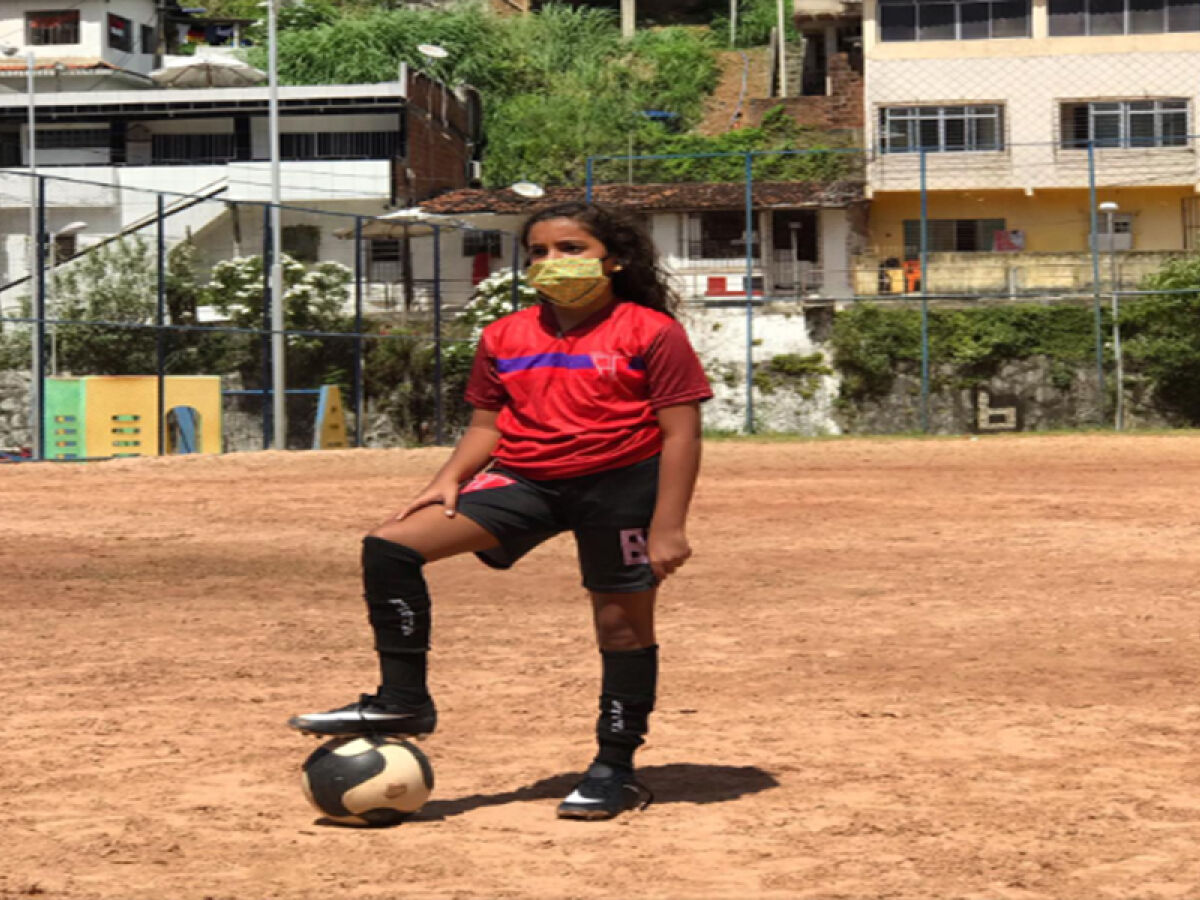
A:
x: 558, y: 86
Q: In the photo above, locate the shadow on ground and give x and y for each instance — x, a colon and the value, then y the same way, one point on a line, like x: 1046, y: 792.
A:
x: 672, y: 783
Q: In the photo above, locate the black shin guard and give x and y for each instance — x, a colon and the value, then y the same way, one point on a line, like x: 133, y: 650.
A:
x: 627, y: 694
x: 398, y: 609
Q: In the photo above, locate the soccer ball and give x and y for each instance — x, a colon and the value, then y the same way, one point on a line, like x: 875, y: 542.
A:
x: 373, y: 780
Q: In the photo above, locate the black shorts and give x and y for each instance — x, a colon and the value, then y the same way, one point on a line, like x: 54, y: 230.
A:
x: 609, y: 513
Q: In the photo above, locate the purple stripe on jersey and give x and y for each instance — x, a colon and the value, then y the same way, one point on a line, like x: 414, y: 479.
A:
x: 566, y: 361
x: 546, y: 361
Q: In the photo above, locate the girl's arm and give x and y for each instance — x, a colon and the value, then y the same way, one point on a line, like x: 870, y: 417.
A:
x: 667, y: 544
x: 473, y: 452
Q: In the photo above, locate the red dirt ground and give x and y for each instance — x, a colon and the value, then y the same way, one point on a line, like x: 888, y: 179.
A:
x: 907, y: 669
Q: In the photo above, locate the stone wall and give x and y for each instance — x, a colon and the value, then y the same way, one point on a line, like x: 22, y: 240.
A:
x: 1025, y: 395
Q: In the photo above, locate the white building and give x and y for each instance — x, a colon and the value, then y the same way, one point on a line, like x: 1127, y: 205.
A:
x: 84, y: 45
x: 803, y: 239
x: 349, y: 150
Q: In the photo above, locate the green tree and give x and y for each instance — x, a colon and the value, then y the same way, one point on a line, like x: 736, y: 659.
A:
x: 115, y: 284
x: 1161, y: 337
x: 558, y: 86
x: 313, y: 302
x: 400, y: 371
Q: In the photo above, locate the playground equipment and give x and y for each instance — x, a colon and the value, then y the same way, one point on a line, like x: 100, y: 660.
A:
x: 117, y: 415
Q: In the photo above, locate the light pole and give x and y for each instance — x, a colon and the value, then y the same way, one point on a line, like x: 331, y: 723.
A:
x: 31, y: 151
x: 1109, y: 208
x: 278, y: 344
x: 52, y: 294
x: 433, y: 53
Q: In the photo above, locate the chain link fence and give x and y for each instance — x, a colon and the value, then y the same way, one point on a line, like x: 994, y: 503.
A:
x: 156, y: 288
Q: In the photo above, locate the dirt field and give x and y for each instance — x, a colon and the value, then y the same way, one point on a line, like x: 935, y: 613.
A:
x: 894, y: 669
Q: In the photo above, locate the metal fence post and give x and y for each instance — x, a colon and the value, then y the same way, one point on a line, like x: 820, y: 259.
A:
x: 587, y: 180
x: 749, y: 294
x: 160, y: 335
x: 37, y: 382
x: 359, y: 399
x: 516, y: 264
x: 1095, y: 253
x: 439, y: 423
x: 924, y: 294
x: 265, y: 337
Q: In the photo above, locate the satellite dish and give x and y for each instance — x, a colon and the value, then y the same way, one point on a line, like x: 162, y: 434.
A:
x: 528, y: 189
x: 433, y: 51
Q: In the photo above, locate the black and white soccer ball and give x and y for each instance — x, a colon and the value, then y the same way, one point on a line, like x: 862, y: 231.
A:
x: 372, y: 780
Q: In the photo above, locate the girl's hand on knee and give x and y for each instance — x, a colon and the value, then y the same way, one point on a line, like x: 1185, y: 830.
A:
x: 443, y: 492
x: 668, y: 549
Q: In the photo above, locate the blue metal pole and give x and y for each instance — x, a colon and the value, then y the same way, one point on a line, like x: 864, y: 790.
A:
x: 924, y: 296
x: 160, y: 335
x: 359, y: 399
x: 1094, y: 230
x: 749, y: 294
x: 587, y: 182
x: 516, y: 265
x: 439, y: 424
x: 39, y: 328
x: 265, y: 337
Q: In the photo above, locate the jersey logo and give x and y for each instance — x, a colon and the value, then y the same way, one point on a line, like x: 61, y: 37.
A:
x: 485, y: 481
x: 606, y: 364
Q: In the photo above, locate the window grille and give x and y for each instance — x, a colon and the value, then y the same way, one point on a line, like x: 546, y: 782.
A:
x: 941, y: 129
x: 52, y: 27
x: 952, y: 20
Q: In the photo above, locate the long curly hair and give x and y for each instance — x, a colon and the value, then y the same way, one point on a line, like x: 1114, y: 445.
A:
x: 641, y: 278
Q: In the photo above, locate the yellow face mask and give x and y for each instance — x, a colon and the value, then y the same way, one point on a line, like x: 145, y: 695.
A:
x: 569, y: 281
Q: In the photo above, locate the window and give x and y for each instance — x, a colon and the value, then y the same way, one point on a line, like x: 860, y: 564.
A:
x: 1121, y: 235
x: 719, y: 234
x: 301, y: 242
x: 384, y: 260
x: 941, y: 129
x: 120, y: 33
x: 1124, y: 123
x: 52, y: 27
x: 340, y: 145
x: 149, y: 40
x: 475, y: 242
x: 65, y: 247
x: 952, y: 236
x: 952, y: 20
x: 169, y: 149
x: 1099, y: 17
x: 71, y: 138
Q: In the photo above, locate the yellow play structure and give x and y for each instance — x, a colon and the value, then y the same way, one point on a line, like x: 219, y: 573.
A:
x: 117, y: 415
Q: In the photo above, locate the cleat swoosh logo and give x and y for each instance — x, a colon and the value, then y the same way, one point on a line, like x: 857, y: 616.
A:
x: 577, y: 797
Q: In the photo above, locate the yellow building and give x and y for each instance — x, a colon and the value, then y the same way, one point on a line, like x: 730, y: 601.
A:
x: 1020, y: 117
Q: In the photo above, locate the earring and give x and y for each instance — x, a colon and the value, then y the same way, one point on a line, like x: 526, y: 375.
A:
x: 617, y: 268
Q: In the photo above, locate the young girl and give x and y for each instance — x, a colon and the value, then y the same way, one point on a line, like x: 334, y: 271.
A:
x: 586, y: 418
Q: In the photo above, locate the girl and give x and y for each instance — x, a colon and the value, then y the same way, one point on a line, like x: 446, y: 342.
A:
x: 586, y: 418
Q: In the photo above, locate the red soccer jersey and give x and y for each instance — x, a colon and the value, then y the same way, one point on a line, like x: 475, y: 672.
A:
x: 584, y: 401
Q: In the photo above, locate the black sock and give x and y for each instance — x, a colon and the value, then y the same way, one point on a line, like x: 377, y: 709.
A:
x: 398, y: 609
x: 628, y: 687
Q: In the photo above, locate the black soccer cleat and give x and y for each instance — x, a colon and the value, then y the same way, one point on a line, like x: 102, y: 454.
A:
x: 604, y: 793
x: 369, y: 715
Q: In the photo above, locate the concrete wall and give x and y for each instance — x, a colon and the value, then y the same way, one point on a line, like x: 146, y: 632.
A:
x: 1052, y: 221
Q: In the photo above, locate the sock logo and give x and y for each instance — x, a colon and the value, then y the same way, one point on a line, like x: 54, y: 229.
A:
x: 407, y: 618
x: 616, y: 716
x: 633, y: 547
